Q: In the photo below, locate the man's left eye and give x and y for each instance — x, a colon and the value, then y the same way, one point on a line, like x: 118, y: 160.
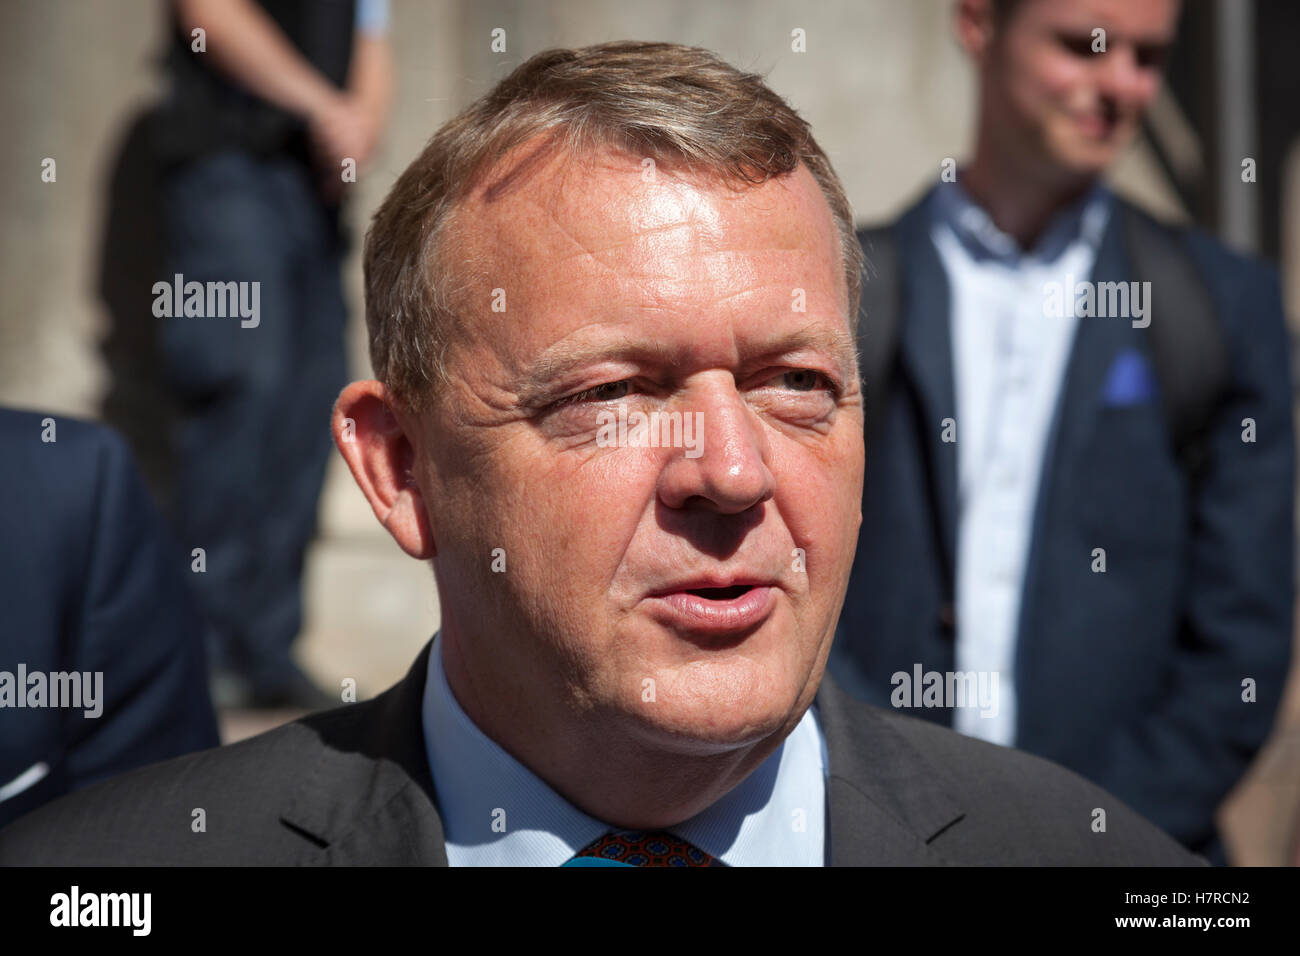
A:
x: 1080, y: 44
x: 803, y: 379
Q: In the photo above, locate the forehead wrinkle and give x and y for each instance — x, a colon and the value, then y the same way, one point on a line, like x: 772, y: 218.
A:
x: 653, y: 235
x: 678, y: 295
x: 675, y: 204
x: 751, y: 268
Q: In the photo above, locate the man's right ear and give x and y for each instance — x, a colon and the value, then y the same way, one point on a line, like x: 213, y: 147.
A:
x: 382, y: 458
x: 973, y: 21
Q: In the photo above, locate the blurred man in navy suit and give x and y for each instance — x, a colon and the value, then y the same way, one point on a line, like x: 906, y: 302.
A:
x: 101, y: 655
x: 1077, y: 516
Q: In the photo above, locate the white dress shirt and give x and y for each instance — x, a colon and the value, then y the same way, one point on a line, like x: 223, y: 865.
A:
x: 1010, y: 353
x: 496, y: 812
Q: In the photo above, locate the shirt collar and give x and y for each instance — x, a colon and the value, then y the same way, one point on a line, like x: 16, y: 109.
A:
x: 1083, y: 219
x: 496, y: 812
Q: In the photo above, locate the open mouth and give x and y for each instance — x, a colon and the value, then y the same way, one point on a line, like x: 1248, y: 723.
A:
x: 722, y: 594
x: 726, y: 614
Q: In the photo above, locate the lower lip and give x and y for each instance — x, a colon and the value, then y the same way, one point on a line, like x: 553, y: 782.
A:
x: 692, y: 612
x: 1094, y: 126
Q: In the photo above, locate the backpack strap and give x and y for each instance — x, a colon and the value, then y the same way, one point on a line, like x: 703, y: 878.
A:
x: 1188, y: 349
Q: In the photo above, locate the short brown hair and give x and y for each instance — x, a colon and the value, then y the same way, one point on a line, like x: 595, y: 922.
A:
x: 678, y: 104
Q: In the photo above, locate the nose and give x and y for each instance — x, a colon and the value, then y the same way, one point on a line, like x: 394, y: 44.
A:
x: 730, y: 473
x: 1124, y: 79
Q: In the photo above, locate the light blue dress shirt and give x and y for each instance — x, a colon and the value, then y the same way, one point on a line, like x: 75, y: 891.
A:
x: 1010, y: 353
x: 372, y: 16
x: 496, y: 812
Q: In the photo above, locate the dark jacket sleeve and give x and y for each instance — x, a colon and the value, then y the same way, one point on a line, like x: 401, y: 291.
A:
x: 140, y: 627
x: 1226, y: 680
x: 95, y: 585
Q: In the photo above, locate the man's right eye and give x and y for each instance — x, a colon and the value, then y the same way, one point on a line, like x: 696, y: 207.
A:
x: 608, y: 392
x: 1080, y: 44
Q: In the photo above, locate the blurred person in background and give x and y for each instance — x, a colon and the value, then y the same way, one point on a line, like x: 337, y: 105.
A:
x: 272, y: 106
x: 101, y: 652
x: 1092, y: 504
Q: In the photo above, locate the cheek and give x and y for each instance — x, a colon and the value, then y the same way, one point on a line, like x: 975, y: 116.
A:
x: 1045, y: 82
x: 573, y: 514
x: 821, y: 502
x: 1146, y: 92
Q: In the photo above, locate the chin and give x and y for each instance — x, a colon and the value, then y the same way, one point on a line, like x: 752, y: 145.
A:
x: 712, y: 708
x: 703, y: 734
x: 1086, y: 157
x: 717, y: 694
x: 1084, y: 161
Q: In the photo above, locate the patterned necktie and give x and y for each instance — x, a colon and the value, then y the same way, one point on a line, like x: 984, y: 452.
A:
x: 640, y: 848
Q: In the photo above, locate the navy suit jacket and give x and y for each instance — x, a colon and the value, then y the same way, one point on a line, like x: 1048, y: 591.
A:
x: 90, y: 580
x: 1132, y: 677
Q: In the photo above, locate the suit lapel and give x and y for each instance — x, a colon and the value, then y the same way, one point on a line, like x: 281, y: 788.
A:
x: 885, y: 802
x: 925, y: 356
x: 1097, y: 341
x: 368, y: 799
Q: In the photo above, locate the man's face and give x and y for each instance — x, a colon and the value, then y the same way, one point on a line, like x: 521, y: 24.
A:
x: 1067, y: 105
x: 682, y: 597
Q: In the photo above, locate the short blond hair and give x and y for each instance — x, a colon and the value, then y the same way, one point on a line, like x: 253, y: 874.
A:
x: 680, y: 105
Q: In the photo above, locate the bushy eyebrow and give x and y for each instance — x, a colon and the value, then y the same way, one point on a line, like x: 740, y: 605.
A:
x: 565, y: 358
x: 836, y: 342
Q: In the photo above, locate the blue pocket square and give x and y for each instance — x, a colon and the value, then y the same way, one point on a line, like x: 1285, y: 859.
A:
x: 1130, y: 381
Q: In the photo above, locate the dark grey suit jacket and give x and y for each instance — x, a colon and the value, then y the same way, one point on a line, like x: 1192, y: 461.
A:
x: 352, y: 787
